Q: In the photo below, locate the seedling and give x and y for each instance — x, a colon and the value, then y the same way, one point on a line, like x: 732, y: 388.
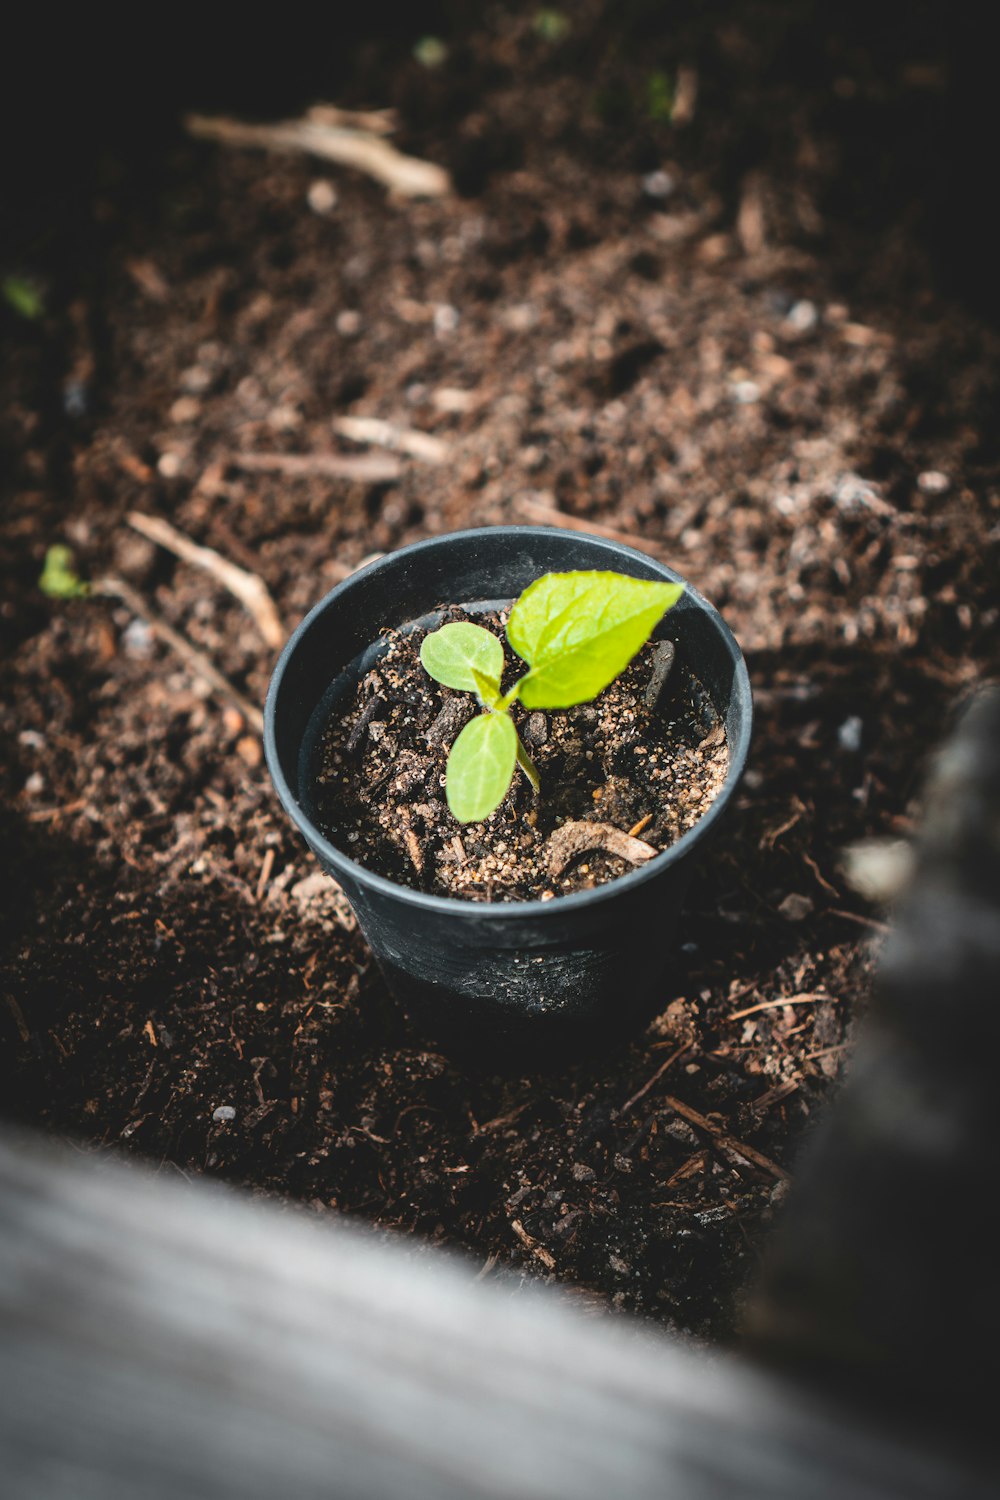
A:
x: 59, y: 578
x: 576, y: 631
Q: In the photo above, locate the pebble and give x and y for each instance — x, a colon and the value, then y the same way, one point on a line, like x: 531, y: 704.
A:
x: 322, y: 196
x: 658, y: 184
x: 249, y: 750
x: 933, y: 482
x: 850, y: 733
x: 445, y: 319
x: 664, y: 654
x: 224, y: 1114
x: 170, y: 464
x: 795, y: 907
x: 185, y: 409
x: 745, y: 392
x: 802, y: 316
x: 34, y: 784
x: 348, y: 323
x: 137, y: 639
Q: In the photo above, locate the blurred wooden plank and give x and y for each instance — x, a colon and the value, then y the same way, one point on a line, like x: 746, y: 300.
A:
x: 163, y: 1340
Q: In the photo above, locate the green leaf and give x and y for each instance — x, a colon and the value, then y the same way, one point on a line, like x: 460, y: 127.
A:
x: 452, y: 654
x: 480, y: 767
x: 60, y: 579
x: 577, y: 631
x: 24, y: 296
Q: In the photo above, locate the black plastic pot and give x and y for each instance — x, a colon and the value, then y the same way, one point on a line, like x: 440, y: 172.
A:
x: 529, y: 974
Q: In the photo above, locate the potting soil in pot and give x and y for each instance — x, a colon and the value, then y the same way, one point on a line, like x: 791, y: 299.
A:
x: 623, y: 777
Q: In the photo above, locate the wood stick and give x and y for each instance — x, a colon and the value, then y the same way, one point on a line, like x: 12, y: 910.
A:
x: 196, y: 660
x: 812, y: 998
x: 408, y: 176
x: 724, y: 1139
x: 248, y: 588
x: 387, y: 435
x: 165, y: 1338
x: 373, y: 468
x: 641, y: 1093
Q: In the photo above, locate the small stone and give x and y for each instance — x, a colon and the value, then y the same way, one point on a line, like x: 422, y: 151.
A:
x: 657, y: 693
x: 850, y: 733
x: 933, y: 482
x: 322, y: 196
x: 795, y: 908
x: 658, y: 185
x: 170, y: 464
x: 802, y: 316
x: 583, y: 1173
x: 196, y: 380
x: 185, y: 409
x: 224, y: 1114
x: 35, y: 784
x: 137, y: 639
x: 536, y: 731
x: 348, y: 323
x: 445, y: 319
x: 248, y: 748
x: 745, y: 392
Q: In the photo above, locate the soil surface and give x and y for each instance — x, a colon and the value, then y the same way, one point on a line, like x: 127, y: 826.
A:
x: 685, y: 294
x: 647, y: 757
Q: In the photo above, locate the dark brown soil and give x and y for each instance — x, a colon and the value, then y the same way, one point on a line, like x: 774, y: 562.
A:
x: 617, y: 764
x: 745, y: 365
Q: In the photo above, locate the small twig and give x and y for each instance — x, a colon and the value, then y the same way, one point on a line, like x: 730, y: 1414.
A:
x: 319, y: 136
x: 375, y: 121
x: 641, y: 1093
x: 248, y: 588
x: 640, y: 827
x: 855, y: 916
x: 267, y: 865
x: 196, y: 660
x: 387, y: 435
x: 824, y: 1051
x: 18, y: 1015
x: 550, y: 515
x: 46, y: 814
x: 820, y: 877
x: 806, y: 998
x: 370, y: 468
x: 545, y: 1256
x: 727, y: 1141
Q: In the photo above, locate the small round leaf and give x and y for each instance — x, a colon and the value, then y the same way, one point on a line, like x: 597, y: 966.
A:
x: 452, y: 653
x: 480, y: 767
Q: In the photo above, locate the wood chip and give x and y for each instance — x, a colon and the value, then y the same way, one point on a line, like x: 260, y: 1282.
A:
x: 539, y: 1251
x: 387, y: 435
x: 573, y: 839
x: 247, y: 587
x: 371, y: 468
x: 318, y: 134
x: 723, y: 1138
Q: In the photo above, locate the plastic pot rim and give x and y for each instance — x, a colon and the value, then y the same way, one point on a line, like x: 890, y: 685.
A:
x: 455, y: 906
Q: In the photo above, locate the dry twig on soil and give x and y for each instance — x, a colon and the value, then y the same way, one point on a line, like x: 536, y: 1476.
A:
x: 248, y: 588
x: 319, y: 134
x: 196, y: 660
x: 387, y: 435
x: 725, y: 1140
x: 370, y: 468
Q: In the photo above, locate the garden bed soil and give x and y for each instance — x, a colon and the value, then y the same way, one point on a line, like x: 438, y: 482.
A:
x: 647, y: 758
x: 717, y: 337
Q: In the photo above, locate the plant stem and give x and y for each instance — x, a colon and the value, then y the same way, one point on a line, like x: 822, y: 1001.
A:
x: 528, y: 766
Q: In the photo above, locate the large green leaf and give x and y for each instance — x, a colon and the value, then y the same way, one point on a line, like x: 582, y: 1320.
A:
x: 454, y: 652
x: 577, y: 631
x: 480, y: 767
